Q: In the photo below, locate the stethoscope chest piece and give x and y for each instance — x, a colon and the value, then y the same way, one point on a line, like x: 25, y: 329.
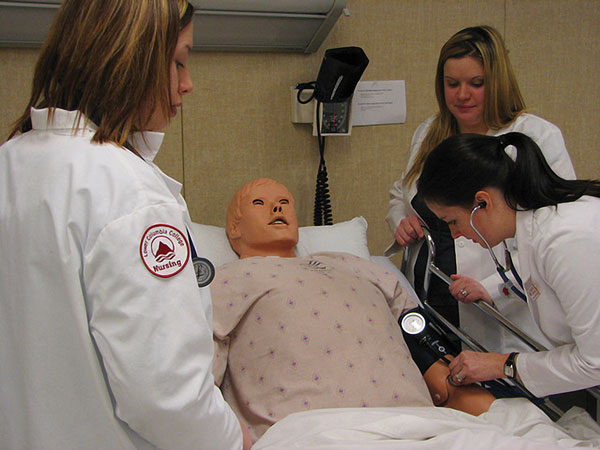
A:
x: 204, y: 270
x: 413, y: 323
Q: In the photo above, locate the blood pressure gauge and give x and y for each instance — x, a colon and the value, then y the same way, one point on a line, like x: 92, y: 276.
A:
x: 413, y: 323
x: 335, y: 118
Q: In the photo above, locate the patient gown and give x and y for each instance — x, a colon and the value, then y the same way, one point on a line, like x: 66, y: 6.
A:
x: 294, y: 334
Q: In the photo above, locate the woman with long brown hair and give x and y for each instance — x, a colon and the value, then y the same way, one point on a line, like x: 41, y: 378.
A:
x: 105, y: 334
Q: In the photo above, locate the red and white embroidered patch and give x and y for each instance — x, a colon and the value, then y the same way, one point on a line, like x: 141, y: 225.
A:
x: 164, y: 250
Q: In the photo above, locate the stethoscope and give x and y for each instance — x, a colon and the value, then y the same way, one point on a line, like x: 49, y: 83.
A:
x: 508, y: 260
x: 203, y: 268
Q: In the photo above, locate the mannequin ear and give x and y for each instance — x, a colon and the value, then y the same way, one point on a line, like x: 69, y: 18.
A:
x: 233, y: 236
x: 234, y: 232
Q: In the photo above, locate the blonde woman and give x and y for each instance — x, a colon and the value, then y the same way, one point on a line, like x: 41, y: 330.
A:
x: 477, y: 92
x: 105, y: 336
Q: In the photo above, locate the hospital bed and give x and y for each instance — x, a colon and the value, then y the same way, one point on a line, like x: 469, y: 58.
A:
x: 516, y: 423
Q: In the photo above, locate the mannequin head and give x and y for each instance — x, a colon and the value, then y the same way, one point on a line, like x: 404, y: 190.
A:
x: 261, y: 220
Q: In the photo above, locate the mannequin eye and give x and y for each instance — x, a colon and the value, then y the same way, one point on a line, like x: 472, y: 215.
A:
x: 284, y: 201
x: 257, y: 201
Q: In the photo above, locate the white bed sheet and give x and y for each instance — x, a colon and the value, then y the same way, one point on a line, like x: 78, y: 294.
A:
x: 513, y: 424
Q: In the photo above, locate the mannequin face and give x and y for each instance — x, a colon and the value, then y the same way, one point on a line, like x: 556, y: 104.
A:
x: 268, y: 224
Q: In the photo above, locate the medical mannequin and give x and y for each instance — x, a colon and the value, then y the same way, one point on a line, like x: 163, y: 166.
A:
x: 105, y: 335
x: 315, y: 332
x: 488, y: 189
x: 477, y: 92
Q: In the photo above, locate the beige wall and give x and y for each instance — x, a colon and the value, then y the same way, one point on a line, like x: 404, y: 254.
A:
x: 236, y: 125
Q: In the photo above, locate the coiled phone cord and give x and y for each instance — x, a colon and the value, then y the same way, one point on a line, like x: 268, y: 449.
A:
x: 322, y: 210
x: 322, y: 213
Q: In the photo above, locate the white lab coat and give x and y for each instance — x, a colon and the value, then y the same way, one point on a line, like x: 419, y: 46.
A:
x: 559, y: 254
x: 474, y: 261
x: 96, y: 351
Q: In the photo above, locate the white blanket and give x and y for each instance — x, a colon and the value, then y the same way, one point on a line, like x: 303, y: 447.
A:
x: 509, y: 424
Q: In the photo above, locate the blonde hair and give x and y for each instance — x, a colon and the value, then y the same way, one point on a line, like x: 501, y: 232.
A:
x: 108, y: 60
x: 503, y: 99
x: 234, y: 211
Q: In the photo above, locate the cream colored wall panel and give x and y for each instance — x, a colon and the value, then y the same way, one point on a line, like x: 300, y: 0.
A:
x: 16, y: 73
x: 242, y: 129
x: 556, y: 54
x: 170, y: 156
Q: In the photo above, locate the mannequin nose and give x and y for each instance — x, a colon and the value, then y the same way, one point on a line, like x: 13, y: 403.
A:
x: 277, y: 209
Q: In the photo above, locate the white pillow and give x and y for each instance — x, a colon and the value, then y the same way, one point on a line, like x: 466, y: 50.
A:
x: 351, y: 237
x: 211, y: 242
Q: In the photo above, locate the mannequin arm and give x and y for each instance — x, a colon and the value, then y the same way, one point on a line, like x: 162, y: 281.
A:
x: 472, y: 399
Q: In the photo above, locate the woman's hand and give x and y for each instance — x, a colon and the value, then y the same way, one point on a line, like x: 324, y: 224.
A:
x: 467, y: 290
x: 471, y: 367
x: 409, y: 231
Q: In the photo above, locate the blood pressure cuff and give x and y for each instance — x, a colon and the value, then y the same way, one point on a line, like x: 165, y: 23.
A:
x: 422, y: 353
x: 339, y: 74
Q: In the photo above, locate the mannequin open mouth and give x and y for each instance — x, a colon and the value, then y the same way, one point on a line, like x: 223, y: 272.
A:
x: 278, y: 221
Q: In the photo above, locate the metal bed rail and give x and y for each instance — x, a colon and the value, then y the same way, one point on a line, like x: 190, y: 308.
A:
x: 409, y: 257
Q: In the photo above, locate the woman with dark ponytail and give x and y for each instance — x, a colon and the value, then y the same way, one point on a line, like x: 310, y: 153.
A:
x: 489, y: 189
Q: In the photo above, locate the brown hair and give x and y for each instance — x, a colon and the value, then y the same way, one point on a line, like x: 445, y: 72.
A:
x: 109, y: 60
x: 503, y: 99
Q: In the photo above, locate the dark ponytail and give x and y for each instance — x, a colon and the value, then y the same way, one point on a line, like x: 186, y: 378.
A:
x: 513, y: 163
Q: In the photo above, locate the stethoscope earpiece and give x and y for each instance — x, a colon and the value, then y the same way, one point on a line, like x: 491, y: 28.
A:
x: 481, y: 205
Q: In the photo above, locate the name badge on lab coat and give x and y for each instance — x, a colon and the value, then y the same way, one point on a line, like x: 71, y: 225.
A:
x: 532, y: 291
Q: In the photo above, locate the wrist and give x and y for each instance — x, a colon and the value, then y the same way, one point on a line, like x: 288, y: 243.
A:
x: 510, y: 366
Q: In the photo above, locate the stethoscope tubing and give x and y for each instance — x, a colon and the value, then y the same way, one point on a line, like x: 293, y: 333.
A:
x: 501, y: 270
